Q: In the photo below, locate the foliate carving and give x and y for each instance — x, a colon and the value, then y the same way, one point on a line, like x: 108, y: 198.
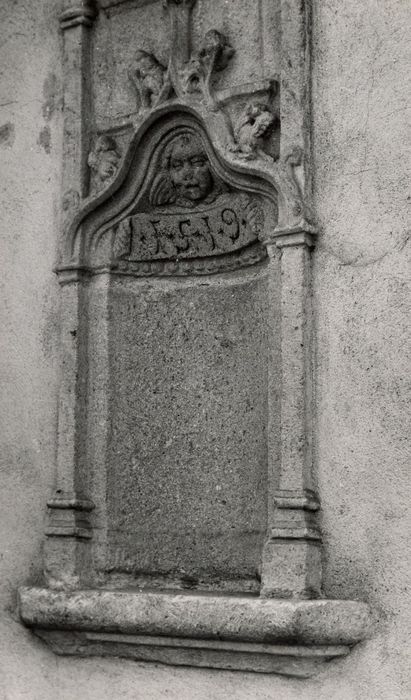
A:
x: 254, y: 214
x: 189, y: 73
x: 213, y: 55
x: 192, y: 214
x: 103, y: 160
x: 148, y: 77
x: 253, y: 127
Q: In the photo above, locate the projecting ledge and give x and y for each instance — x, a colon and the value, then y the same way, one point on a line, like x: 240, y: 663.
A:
x: 228, y: 632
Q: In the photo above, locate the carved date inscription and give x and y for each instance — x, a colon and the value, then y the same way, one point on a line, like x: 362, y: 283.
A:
x: 222, y: 227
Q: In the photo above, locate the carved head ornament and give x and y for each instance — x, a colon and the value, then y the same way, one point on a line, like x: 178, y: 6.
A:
x: 185, y: 178
x: 104, y: 160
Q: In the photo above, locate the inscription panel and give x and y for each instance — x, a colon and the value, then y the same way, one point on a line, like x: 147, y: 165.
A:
x: 221, y: 228
x: 189, y: 214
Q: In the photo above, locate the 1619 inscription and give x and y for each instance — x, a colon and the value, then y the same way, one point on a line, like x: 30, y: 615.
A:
x: 192, y: 213
x: 212, y: 231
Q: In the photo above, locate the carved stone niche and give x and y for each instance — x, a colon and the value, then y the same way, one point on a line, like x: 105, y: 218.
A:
x: 184, y: 528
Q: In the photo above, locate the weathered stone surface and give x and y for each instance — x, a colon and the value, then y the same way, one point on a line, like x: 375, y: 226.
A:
x: 293, y: 661
x: 187, y: 406
x: 187, y: 485
x: 206, y: 616
x: 228, y: 632
x: 360, y: 73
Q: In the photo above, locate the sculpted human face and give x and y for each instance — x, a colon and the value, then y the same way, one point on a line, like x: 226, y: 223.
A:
x: 189, y: 170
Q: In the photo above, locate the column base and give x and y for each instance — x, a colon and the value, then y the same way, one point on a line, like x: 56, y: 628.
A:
x: 291, y: 569
x: 66, y: 548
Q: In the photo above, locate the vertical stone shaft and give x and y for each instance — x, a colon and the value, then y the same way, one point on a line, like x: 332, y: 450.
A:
x: 295, y: 99
x: 292, y: 556
x: 70, y: 472
x: 76, y: 21
x: 291, y: 559
x: 97, y: 416
x: 295, y: 474
x: 68, y: 528
x: 180, y: 30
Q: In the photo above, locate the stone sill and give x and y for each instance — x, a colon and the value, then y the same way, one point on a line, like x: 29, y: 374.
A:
x: 216, y: 631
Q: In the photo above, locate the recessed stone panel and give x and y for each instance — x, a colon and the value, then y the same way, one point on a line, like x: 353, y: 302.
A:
x: 187, y: 467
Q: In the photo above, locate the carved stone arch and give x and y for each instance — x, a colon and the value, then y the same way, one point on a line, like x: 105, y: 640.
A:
x: 100, y: 213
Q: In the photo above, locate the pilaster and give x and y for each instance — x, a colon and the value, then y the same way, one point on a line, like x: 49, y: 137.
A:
x: 68, y: 532
x: 292, y: 556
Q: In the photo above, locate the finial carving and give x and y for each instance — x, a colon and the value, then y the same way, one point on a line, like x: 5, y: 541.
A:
x: 103, y: 161
x: 253, y: 126
x: 213, y: 55
x: 189, y: 73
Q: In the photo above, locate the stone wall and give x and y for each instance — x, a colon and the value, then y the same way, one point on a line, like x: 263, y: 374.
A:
x: 360, y: 272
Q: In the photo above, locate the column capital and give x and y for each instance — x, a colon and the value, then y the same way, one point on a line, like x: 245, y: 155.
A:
x: 78, y: 12
x: 287, y: 237
x: 297, y: 238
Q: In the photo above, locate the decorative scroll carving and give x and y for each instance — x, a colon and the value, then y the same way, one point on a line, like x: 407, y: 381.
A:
x: 103, y: 161
x: 254, y: 214
x: 253, y: 127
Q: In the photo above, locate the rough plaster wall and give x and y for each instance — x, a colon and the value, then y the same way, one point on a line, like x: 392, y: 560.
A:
x: 360, y: 92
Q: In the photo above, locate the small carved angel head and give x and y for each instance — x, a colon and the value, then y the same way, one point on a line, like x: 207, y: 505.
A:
x: 185, y: 176
x: 215, y: 49
x: 104, y: 160
x: 259, y: 114
x: 263, y: 123
x: 147, y: 75
x: 146, y: 64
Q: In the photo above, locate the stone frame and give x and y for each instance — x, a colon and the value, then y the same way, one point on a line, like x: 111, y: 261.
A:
x: 288, y: 629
